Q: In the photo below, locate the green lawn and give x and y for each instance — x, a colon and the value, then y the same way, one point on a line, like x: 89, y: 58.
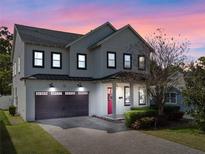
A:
x: 183, y: 133
x: 23, y: 137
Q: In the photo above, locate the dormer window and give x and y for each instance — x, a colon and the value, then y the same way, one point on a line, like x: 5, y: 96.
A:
x: 81, y: 61
x: 38, y: 58
x: 56, y: 60
x: 141, y: 62
x: 111, y: 60
x: 127, y: 61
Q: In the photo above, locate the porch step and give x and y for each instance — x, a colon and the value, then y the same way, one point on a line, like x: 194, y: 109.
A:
x: 118, y: 118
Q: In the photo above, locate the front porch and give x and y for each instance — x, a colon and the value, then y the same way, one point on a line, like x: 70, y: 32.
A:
x: 124, y: 91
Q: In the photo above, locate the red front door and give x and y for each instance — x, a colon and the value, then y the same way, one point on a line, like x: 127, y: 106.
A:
x: 109, y: 99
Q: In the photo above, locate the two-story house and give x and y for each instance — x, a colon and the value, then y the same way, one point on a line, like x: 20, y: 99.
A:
x: 59, y: 74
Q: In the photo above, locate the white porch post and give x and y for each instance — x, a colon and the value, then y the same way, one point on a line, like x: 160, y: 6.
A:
x: 114, y: 99
x: 132, y: 94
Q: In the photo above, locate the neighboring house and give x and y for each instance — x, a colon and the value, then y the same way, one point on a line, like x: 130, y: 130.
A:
x: 174, y: 95
x: 59, y: 74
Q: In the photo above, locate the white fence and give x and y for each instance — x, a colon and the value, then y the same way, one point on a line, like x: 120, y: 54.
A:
x: 5, y: 101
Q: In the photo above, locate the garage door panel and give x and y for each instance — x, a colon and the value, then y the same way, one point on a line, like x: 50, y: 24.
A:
x: 52, y: 106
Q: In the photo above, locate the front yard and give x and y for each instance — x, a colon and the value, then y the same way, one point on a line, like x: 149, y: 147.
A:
x: 183, y: 133
x: 18, y: 136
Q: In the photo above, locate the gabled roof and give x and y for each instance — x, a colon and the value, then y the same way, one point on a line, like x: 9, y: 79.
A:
x: 45, y: 36
x: 92, y: 31
x: 118, y: 32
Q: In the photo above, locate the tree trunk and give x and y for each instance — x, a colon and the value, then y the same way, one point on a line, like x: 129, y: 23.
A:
x: 161, y: 109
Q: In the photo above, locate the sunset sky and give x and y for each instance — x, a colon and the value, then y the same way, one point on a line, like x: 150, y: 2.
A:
x: 185, y: 17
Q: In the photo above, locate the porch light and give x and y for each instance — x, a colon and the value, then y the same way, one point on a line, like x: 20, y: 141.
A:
x: 80, y: 87
x: 51, y: 87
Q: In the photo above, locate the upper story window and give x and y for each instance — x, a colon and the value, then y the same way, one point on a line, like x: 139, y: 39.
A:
x: 141, y: 62
x: 19, y: 64
x: 38, y: 58
x: 127, y: 61
x: 111, y: 60
x: 56, y: 60
x: 171, y: 98
x: 81, y: 61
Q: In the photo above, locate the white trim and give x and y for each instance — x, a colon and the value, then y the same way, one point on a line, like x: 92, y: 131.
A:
x: 175, y: 98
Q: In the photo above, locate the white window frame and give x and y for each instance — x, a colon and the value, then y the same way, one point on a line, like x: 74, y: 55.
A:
x: 19, y: 64
x: 170, y: 99
x: 139, y: 96
x: 14, y: 69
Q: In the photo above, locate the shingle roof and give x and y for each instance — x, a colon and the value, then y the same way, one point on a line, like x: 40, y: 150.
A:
x: 117, y: 32
x: 56, y: 77
x: 127, y: 76
x: 45, y: 37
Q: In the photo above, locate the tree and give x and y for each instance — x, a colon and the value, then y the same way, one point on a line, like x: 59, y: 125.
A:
x: 168, y: 56
x: 5, y: 57
x: 194, y: 94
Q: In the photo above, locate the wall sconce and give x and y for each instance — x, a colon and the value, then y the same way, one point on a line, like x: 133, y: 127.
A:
x: 51, y: 87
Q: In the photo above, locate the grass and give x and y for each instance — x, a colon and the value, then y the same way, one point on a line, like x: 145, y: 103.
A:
x: 23, y: 137
x: 183, y: 133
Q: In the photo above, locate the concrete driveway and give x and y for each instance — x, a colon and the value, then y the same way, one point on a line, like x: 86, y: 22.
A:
x: 87, y: 135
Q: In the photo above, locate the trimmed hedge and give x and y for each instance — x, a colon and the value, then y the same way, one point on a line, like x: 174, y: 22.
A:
x: 144, y: 123
x: 168, y: 108
x: 133, y: 115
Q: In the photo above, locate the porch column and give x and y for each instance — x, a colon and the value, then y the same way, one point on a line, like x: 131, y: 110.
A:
x: 132, y: 94
x: 114, y: 99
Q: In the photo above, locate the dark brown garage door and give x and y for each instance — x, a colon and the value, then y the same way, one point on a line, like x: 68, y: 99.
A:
x: 60, y: 104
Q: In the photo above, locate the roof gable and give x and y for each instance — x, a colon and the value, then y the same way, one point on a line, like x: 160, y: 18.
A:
x: 118, y: 32
x: 91, y: 32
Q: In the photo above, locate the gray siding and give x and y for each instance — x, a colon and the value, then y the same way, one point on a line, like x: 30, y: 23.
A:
x: 81, y: 47
x: 19, y: 89
x: 29, y: 69
x: 120, y: 44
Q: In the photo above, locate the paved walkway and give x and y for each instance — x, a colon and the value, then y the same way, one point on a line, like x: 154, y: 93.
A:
x: 86, y: 135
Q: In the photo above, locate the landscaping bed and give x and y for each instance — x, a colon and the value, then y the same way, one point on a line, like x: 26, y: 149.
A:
x: 18, y: 136
x: 148, y: 118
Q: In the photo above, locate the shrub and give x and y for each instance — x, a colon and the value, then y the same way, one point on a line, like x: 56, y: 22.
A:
x: 144, y: 123
x: 175, y: 116
x: 12, y: 110
x: 171, y: 109
x: 160, y: 121
x: 140, y: 108
x: 168, y: 108
x: 133, y: 115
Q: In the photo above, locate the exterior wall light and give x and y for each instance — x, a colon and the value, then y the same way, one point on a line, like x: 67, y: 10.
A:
x: 51, y: 87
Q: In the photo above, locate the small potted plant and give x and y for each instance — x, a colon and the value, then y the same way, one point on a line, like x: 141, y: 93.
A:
x: 12, y: 110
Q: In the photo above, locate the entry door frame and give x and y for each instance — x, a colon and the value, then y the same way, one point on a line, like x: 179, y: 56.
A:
x: 109, y: 100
